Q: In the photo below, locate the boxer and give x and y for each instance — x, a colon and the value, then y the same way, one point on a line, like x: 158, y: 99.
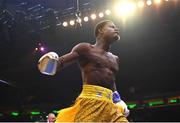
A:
x: 99, y: 99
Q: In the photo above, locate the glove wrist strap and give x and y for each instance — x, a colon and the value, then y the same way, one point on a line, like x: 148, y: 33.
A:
x: 116, y: 97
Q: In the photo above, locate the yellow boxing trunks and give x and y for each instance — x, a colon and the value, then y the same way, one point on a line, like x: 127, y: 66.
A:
x: 94, y: 104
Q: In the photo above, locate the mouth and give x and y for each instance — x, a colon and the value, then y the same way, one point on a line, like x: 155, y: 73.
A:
x: 117, y: 32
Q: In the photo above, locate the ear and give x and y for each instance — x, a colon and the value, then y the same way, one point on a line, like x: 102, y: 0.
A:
x: 100, y: 30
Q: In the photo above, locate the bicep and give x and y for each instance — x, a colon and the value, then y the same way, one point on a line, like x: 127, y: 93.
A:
x: 74, y: 55
x: 68, y: 59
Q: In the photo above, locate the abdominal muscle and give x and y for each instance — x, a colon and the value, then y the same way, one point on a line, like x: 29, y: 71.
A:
x: 101, y: 77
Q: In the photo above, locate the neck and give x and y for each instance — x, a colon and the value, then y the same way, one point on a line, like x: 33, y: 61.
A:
x: 103, y: 44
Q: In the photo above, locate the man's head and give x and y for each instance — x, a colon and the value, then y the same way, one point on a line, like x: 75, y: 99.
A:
x: 106, y: 29
x: 51, y: 118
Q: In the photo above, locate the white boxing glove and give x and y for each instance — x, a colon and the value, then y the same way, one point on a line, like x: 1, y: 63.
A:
x: 120, y: 103
x: 124, y: 107
x: 47, y: 64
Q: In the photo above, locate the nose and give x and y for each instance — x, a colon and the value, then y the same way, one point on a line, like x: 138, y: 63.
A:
x: 116, y: 30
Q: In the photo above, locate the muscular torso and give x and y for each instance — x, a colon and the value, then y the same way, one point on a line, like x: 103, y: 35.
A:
x: 98, y: 67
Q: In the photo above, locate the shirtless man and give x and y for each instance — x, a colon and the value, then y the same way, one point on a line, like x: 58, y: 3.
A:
x: 99, y: 99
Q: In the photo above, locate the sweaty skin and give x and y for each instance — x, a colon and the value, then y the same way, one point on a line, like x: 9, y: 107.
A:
x: 98, y: 66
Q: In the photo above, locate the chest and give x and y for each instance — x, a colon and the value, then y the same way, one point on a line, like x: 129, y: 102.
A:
x: 104, y: 60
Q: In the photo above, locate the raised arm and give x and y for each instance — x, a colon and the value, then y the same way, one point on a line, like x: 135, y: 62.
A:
x: 67, y: 59
x: 50, y: 63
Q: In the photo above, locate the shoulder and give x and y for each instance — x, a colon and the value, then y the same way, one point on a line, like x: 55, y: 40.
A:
x: 117, y: 59
x: 81, y: 47
x: 115, y: 56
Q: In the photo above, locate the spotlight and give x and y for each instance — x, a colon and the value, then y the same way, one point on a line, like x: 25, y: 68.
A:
x: 93, y: 16
x: 71, y: 22
x: 107, y: 12
x: 42, y: 48
x: 101, y: 14
x: 148, y: 2
x: 36, y: 49
x: 125, y: 8
x: 86, y: 19
x: 157, y: 1
x: 140, y: 4
x: 78, y: 20
x: 65, y: 24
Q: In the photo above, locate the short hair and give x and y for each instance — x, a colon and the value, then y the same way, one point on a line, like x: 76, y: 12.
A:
x: 100, y: 25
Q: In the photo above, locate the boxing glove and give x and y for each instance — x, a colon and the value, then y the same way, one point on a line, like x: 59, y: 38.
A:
x: 47, y: 64
x: 120, y: 103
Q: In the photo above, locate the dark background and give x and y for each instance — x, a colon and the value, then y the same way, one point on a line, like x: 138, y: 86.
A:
x: 148, y: 51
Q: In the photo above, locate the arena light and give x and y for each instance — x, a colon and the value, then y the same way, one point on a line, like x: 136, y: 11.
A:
x: 86, y: 19
x: 125, y: 8
x: 71, y: 22
x: 107, y: 12
x: 36, y: 49
x: 149, y: 2
x: 35, y: 113
x: 39, y: 44
x: 14, y: 113
x: 132, y: 106
x: 173, y: 100
x: 140, y: 4
x: 93, y: 16
x: 55, y: 111
x: 65, y: 24
x: 101, y: 14
x: 157, y: 1
x: 155, y: 103
x: 78, y: 20
x: 42, y: 48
